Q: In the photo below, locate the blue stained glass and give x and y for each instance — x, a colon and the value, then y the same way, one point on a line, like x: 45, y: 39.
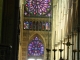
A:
x: 37, y: 8
x: 47, y: 26
x: 36, y: 38
x: 26, y: 25
x: 35, y: 48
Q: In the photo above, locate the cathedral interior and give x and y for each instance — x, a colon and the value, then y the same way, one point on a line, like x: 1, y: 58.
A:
x: 39, y: 30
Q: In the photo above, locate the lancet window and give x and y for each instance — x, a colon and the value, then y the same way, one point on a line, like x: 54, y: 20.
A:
x: 37, y: 25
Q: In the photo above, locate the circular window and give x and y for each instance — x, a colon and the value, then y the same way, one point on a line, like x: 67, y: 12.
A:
x: 37, y: 7
x: 35, y: 48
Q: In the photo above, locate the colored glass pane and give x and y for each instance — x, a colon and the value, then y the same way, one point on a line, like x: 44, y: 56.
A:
x: 37, y: 8
x: 35, y: 47
x: 40, y: 25
x: 47, y: 26
x: 43, y: 25
x: 30, y: 25
x: 26, y: 25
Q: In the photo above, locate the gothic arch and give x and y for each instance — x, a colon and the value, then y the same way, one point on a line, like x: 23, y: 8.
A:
x: 38, y: 35
x: 42, y: 40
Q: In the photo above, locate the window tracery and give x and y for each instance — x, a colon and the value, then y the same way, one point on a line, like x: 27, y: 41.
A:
x: 37, y: 8
x: 35, y: 47
x: 37, y: 25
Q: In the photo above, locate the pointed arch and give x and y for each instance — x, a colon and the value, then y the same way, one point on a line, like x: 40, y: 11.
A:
x: 41, y: 46
x: 40, y: 37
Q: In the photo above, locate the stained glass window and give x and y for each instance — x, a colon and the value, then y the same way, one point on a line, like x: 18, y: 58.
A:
x: 37, y: 8
x: 30, y: 25
x: 34, y: 25
x: 47, y: 26
x: 35, y: 47
x: 37, y: 25
x: 40, y: 25
x: 43, y: 25
x: 26, y: 25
